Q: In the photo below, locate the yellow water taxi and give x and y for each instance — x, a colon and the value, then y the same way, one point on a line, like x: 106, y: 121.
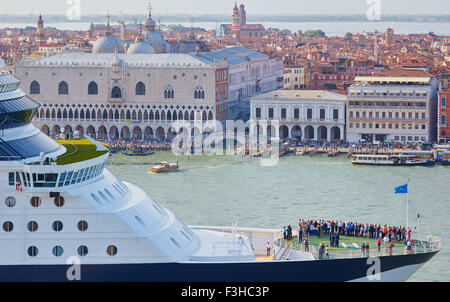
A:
x: 165, y: 167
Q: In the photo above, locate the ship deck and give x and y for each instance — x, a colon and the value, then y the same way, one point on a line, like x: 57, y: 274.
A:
x: 350, y: 246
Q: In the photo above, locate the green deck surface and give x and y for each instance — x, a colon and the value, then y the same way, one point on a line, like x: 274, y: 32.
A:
x: 78, y: 150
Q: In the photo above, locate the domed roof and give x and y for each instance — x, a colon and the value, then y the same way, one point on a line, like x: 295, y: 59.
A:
x: 108, y: 44
x: 156, y: 40
x: 140, y: 47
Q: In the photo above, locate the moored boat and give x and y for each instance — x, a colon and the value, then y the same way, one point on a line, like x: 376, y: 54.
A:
x: 401, y: 159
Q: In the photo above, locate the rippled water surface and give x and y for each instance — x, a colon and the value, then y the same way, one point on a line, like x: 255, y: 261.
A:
x: 218, y: 190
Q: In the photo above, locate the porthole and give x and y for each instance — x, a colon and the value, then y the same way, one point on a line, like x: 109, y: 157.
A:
x: 58, y: 251
x: 82, y: 250
x: 111, y: 250
x: 57, y: 226
x: 59, y: 201
x: 35, y: 201
x: 82, y: 226
x: 10, y: 201
x: 8, y: 226
x: 32, y: 226
x: 33, y: 251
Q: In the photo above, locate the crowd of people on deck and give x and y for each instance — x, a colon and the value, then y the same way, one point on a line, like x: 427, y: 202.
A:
x: 333, y: 229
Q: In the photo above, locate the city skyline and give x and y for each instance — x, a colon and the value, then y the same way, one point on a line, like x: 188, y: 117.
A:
x: 258, y: 7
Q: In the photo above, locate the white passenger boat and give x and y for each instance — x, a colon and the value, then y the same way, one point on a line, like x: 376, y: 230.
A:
x: 402, y: 159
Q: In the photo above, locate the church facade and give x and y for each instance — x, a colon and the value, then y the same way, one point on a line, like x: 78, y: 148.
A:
x: 239, y: 29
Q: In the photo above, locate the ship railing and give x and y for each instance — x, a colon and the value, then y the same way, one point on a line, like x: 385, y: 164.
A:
x: 233, y: 248
x: 432, y: 244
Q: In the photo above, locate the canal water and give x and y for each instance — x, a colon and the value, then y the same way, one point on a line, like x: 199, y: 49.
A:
x: 220, y: 190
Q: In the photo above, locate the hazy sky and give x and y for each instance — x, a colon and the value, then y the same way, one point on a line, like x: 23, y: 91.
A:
x: 338, y: 7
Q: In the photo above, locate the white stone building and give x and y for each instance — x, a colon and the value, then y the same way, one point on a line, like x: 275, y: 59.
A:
x: 302, y: 114
x: 250, y: 73
x: 123, y: 95
x: 397, y: 105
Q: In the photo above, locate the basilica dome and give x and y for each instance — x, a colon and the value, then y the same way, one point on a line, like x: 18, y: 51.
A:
x: 140, y: 47
x: 154, y: 37
x: 108, y: 44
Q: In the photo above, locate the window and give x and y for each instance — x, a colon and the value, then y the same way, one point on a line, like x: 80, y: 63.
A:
x: 35, y: 201
x: 10, y: 202
x: 57, y: 226
x: 296, y: 113
x: 92, y: 88
x: 58, y: 251
x: 283, y: 113
x: 82, y: 225
x: 322, y: 114
x: 32, y: 226
x: 35, y: 88
x: 59, y: 201
x: 258, y: 112
x: 32, y: 251
x: 199, y: 93
x: 140, y: 88
x: 443, y: 103
x: 443, y: 120
x: 82, y: 250
x: 116, y: 93
x: 8, y: 226
x: 335, y: 114
x: 169, y: 93
x: 309, y: 113
x: 111, y: 250
x: 270, y: 112
x: 11, y: 179
x: 63, y: 88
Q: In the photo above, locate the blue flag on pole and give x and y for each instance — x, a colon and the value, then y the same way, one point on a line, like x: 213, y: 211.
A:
x: 401, y: 189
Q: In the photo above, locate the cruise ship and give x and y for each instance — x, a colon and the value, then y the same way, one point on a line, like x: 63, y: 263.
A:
x: 65, y: 217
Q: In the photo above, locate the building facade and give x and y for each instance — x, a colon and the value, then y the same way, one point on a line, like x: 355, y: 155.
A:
x: 397, y: 105
x: 294, y: 78
x: 250, y: 73
x: 317, y: 115
x: 124, y: 95
x: 443, y: 127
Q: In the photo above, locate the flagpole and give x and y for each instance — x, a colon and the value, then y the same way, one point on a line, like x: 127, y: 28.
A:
x: 407, y: 201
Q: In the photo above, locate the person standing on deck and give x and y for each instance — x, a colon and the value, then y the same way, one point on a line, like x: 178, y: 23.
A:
x: 386, y: 241
x: 336, y: 240
x: 268, y: 248
x: 367, y: 249
x: 332, y: 238
x: 390, y: 248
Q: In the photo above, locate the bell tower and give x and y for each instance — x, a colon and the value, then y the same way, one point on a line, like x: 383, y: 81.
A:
x: 40, y: 35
